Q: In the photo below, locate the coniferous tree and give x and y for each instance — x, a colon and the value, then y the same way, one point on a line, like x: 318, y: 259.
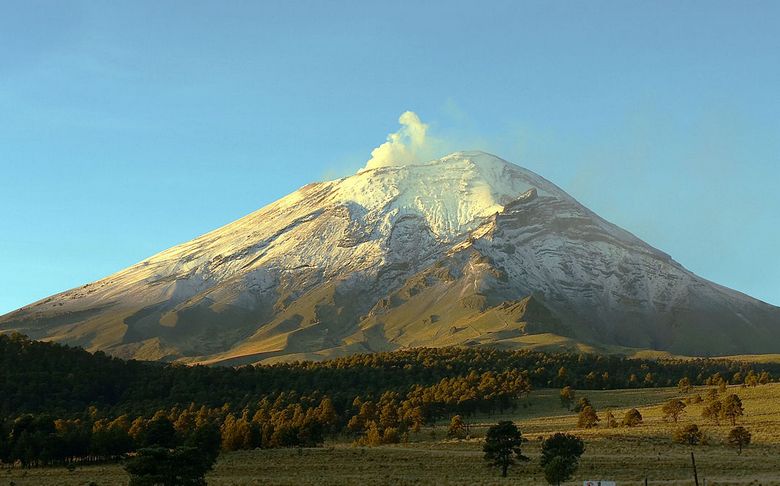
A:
x: 739, y: 437
x: 457, y: 427
x: 673, y: 409
x: 560, y: 456
x: 502, y: 446
x: 159, y: 432
x: 712, y: 411
x: 732, y: 408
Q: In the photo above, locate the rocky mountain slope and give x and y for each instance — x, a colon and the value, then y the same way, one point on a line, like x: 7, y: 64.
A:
x: 468, y: 249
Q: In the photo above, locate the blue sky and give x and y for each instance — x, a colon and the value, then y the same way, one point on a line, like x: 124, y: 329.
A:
x: 128, y: 127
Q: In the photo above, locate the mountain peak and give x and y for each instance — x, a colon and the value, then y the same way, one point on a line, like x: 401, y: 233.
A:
x: 452, y: 194
x: 419, y: 254
x: 460, y: 159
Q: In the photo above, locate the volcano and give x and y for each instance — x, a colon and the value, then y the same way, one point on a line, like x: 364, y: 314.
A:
x: 465, y: 250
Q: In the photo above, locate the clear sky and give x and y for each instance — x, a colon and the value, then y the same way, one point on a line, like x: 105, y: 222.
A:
x: 128, y: 127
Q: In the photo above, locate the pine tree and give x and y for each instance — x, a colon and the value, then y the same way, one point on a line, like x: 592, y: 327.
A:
x: 457, y: 427
x: 713, y: 411
x: 502, y: 446
x: 560, y: 456
x: 739, y: 437
x: 732, y: 408
x: 673, y: 409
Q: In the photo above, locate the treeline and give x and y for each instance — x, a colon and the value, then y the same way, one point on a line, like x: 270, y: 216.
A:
x: 60, y: 405
x: 286, y: 419
x: 40, y: 440
x: 39, y: 377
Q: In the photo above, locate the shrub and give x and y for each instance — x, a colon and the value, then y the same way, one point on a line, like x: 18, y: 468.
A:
x: 690, y: 434
x: 632, y: 418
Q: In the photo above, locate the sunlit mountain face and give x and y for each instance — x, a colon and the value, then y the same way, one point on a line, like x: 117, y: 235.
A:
x: 464, y: 250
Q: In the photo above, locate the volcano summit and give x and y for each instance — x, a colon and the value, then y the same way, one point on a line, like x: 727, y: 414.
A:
x: 465, y: 250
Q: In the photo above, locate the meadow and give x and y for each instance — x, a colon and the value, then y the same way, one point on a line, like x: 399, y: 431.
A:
x: 626, y: 455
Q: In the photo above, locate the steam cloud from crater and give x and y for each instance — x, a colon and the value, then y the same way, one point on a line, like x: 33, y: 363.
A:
x: 409, y: 145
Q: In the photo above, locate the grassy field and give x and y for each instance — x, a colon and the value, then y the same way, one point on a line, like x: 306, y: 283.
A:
x: 621, y: 454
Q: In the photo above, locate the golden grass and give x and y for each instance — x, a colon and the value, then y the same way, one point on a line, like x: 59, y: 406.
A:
x: 621, y: 454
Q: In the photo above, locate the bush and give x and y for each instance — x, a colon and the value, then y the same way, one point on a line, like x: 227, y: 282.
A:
x: 632, y: 418
x: 690, y: 434
x: 588, y: 418
x: 158, y: 466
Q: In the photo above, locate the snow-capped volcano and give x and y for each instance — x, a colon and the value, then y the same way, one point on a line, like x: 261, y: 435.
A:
x: 466, y: 249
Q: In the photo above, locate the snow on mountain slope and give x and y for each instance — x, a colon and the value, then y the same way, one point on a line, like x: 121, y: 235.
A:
x: 446, y: 252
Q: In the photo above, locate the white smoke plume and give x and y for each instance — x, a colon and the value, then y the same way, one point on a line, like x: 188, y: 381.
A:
x: 411, y: 144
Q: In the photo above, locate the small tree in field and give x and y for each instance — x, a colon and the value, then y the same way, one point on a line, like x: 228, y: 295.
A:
x: 588, y: 418
x: 751, y: 379
x: 567, y: 397
x: 610, y: 418
x: 559, y: 469
x: 581, y: 404
x: 560, y: 456
x: 158, y: 466
x: 690, y: 434
x: 502, y: 446
x: 632, y: 418
x: 457, y: 427
x: 684, y: 385
x: 673, y: 409
x: 732, y: 408
x: 739, y: 437
x: 712, y: 411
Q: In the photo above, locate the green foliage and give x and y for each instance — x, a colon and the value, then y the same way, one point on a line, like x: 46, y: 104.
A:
x: 106, y: 407
x: 560, y: 456
x: 159, y: 432
x: 71, y: 379
x: 111, y: 439
x: 559, y: 469
x: 502, y: 445
x: 206, y: 439
x: 159, y: 466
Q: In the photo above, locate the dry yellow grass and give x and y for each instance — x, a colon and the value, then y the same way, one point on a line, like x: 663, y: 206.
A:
x: 621, y: 454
